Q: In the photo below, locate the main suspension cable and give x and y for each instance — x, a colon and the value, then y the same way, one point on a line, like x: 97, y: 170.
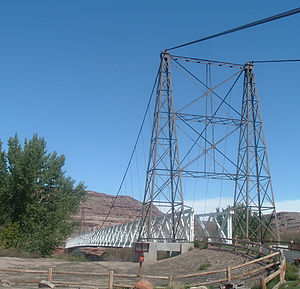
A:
x: 133, y: 151
x: 255, y: 23
x: 275, y: 61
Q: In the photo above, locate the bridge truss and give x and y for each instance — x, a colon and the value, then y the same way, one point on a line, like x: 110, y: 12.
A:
x: 125, y: 235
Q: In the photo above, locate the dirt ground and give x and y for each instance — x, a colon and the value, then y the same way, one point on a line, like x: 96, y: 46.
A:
x: 189, y: 262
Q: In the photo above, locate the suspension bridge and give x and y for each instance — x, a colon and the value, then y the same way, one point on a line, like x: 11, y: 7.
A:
x: 207, y: 124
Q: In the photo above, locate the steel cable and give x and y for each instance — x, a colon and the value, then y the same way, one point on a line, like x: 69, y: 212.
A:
x: 255, y: 23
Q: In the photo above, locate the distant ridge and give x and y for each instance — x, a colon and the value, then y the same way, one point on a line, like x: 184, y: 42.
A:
x: 288, y: 221
x: 93, y: 212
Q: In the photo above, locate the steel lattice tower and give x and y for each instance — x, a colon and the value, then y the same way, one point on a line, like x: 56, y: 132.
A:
x: 253, y: 196
x: 208, y: 120
x: 163, y: 183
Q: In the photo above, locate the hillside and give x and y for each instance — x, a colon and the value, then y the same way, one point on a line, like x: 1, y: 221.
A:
x: 93, y: 212
x: 288, y: 221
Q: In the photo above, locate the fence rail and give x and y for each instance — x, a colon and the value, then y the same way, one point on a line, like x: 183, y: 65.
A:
x: 275, y: 260
x: 289, y: 245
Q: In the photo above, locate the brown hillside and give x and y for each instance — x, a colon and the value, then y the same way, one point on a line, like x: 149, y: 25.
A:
x: 288, y: 221
x: 93, y: 212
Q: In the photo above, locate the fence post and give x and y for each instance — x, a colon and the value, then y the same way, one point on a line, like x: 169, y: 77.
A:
x: 292, y: 245
x: 228, y: 273
x: 235, y: 244
x: 248, y: 248
x: 259, y: 248
x: 171, y: 278
x: 110, y: 279
x: 282, y: 267
x: 263, y: 283
x: 50, y: 272
x: 270, y: 250
x: 281, y: 279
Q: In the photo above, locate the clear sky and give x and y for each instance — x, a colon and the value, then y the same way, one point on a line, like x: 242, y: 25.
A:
x: 80, y: 73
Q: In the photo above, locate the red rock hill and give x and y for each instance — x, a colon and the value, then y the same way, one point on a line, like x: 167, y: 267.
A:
x: 93, y: 212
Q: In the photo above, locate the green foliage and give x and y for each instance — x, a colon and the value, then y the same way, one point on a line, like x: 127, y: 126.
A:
x: 270, y: 284
x: 10, y: 235
x: 290, y: 284
x: 200, y: 245
x: 291, y: 272
x: 291, y: 267
x: 292, y: 276
x: 205, y: 265
x: 36, y: 196
x: 273, y: 282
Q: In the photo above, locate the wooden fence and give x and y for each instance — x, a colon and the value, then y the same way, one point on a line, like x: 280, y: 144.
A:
x: 274, y: 260
x: 291, y: 245
x: 245, y: 246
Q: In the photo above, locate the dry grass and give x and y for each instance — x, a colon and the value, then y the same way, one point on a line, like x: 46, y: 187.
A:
x: 16, y: 252
x: 290, y: 236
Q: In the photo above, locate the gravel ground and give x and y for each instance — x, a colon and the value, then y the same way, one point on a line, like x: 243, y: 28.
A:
x: 189, y: 262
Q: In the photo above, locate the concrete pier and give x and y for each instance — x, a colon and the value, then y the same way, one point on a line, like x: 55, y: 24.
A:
x: 154, y: 247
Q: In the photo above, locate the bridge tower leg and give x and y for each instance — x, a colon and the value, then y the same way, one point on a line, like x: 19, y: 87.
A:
x: 163, y: 182
x: 255, y: 216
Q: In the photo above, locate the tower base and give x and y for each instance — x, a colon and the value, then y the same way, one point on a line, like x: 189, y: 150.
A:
x: 171, y: 248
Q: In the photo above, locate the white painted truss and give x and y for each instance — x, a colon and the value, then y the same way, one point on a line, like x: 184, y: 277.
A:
x: 223, y: 222
x: 125, y: 235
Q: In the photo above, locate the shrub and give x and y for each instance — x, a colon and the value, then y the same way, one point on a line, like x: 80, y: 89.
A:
x: 200, y: 245
x: 291, y: 272
x: 205, y: 265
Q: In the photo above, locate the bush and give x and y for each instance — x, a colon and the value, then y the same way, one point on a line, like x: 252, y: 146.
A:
x: 291, y: 276
x: 205, y: 265
x: 291, y: 272
x: 200, y: 245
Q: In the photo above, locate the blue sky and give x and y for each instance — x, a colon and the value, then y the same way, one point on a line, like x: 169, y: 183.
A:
x: 80, y: 73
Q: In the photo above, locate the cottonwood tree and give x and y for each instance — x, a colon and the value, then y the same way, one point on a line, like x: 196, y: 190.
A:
x: 36, y: 197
